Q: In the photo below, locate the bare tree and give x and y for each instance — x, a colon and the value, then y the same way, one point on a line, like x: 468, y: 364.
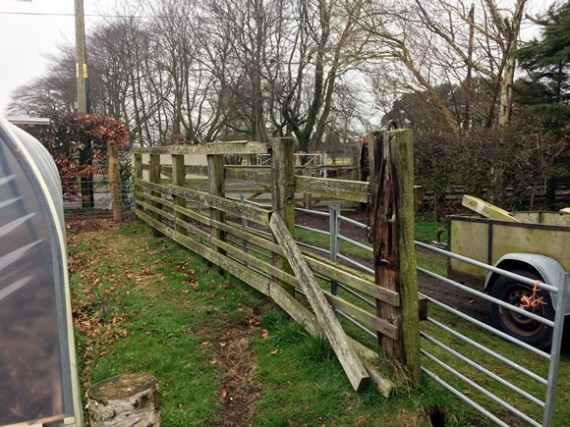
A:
x: 49, y: 95
x: 328, y: 44
x: 449, y: 42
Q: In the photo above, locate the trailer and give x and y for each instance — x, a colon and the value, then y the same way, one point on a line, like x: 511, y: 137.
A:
x: 532, y: 244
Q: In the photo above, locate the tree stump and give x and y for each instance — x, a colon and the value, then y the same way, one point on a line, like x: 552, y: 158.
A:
x: 128, y: 400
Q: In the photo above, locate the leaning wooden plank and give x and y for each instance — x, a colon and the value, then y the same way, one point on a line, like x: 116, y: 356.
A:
x: 487, y: 209
x: 256, y: 262
x: 217, y: 147
x: 329, y: 323
x: 353, y: 281
x: 363, y: 316
x: 295, y: 309
x: 354, y: 191
x: 304, y: 317
x: 369, y: 358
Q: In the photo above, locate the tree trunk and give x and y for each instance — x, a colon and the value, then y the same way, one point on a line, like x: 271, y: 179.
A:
x: 115, y: 181
x: 128, y: 400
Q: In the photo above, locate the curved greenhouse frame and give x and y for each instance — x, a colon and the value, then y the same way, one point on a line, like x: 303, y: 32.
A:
x: 38, y: 371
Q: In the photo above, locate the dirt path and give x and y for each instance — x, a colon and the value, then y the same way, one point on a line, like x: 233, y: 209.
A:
x: 240, y: 369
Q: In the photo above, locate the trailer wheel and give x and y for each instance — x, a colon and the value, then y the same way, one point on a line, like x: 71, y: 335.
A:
x: 516, y: 325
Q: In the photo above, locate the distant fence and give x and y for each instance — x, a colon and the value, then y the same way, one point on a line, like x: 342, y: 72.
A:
x: 74, y: 200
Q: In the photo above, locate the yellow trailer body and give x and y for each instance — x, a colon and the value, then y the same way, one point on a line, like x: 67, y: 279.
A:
x: 485, y: 240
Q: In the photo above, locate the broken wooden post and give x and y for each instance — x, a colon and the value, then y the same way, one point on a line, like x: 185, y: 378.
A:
x: 115, y: 181
x: 127, y: 400
x: 283, y: 193
x: 324, y: 313
x: 392, y: 234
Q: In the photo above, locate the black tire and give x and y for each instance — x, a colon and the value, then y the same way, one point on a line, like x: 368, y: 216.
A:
x: 518, y: 326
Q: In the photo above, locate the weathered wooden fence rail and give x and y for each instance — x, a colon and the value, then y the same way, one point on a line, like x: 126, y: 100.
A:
x: 263, y: 253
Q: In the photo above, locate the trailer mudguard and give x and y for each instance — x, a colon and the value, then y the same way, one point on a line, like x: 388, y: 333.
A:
x: 548, y: 268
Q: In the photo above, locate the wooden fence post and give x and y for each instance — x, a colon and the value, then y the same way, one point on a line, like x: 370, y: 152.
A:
x: 283, y: 192
x: 217, y: 188
x: 115, y: 181
x: 138, y: 175
x: 392, y: 231
x: 179, y: 178
x: 154, y: 177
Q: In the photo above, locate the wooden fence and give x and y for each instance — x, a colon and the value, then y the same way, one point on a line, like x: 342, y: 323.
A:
x: 257, y: 245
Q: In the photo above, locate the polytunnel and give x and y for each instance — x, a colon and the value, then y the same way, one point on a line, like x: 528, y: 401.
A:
x: 38, y: 373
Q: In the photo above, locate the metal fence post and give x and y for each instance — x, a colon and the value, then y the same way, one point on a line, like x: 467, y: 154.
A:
x: 334, y: 231
x: 563, y: 295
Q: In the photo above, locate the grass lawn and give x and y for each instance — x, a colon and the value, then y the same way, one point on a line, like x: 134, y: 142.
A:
x: 222, y: 354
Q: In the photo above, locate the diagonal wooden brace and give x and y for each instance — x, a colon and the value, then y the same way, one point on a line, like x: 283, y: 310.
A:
x: 330, y: 325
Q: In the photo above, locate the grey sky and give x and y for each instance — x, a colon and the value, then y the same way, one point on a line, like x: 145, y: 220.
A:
x: 31, y: 29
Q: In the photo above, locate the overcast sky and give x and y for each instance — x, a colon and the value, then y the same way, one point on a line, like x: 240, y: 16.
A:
x: 31, y: 29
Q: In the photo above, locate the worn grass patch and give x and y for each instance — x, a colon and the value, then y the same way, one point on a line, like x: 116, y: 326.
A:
x: 222, y: 354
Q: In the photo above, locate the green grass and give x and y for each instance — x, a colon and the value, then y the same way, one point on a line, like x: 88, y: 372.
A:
x: 143, y: 303
x: 313, y: 389
x: 426, y: 229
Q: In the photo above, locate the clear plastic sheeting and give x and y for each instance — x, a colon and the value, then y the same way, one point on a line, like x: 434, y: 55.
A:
x: 35, y: 338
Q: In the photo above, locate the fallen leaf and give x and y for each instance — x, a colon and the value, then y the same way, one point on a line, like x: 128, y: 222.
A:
x: 274, y: 352
x: 224, y: 392
x: 206, y: 344
x: 213, y: 362
x: 222, y: 344
x: 265, y: 334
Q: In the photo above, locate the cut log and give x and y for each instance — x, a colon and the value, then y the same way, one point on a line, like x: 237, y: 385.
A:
x: 487, y: 209
x: 126, y: 400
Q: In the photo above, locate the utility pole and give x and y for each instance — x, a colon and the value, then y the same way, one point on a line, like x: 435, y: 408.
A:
x: 81, y: 65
